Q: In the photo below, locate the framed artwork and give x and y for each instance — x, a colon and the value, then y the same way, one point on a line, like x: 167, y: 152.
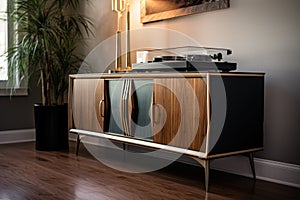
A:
x: 156, y: 10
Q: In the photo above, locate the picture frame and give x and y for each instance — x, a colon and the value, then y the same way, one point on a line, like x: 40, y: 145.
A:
x: 157, y: 10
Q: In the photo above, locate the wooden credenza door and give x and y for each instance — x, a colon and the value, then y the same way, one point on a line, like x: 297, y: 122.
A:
x: 88, y: 104
x: 180, y: 112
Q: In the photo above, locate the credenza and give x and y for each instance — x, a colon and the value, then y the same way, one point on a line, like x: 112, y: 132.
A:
x: 205, y: 115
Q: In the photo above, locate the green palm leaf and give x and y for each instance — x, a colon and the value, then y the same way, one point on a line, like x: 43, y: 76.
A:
x: 49, y: 31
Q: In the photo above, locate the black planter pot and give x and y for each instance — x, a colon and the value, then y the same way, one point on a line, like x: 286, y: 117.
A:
x: 51, y: 126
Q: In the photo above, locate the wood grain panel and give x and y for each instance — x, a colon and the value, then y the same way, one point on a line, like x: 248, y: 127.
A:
x: 183, y: 103
x: 164, y: 102
x: 200, y: 88
x: 87, y: 94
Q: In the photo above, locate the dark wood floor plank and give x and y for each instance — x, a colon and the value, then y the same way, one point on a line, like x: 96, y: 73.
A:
x: 29, y: 174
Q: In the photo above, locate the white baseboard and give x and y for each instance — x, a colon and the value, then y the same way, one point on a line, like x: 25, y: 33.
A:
x: 17, y: 136
x: 268, y: 170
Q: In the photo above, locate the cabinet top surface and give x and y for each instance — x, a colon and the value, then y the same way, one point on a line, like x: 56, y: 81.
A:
x: 163, y: 74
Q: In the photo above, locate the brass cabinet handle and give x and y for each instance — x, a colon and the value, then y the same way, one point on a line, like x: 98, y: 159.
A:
x: 101, y: 104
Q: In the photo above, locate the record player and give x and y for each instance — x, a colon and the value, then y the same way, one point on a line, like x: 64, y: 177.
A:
x: 187, y: 58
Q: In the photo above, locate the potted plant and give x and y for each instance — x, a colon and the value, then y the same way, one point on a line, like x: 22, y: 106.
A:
x: 48, y: 33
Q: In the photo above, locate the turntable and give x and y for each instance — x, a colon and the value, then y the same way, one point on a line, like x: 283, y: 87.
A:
x: 187, y: 58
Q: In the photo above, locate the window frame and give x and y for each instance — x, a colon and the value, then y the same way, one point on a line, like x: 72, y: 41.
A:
x: 18, y: 88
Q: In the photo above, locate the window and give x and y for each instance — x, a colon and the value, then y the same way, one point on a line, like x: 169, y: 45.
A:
x: 3, y: 39
x: 6, y: 39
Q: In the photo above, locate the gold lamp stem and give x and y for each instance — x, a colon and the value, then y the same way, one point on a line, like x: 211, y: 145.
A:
x: 118, y: 64
x: 119, y: 7
x: 128, y: 58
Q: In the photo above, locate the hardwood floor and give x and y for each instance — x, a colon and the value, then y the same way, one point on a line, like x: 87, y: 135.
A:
x: 29, y: 174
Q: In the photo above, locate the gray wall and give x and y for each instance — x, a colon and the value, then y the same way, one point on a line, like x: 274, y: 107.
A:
x: 17, y: 111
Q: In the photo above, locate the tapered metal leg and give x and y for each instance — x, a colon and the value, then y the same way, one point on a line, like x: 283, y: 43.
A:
x: 206, y: 168
x: 125, y: 146
x: 77, y: 144
x: 251, y: 159
x: 205, y: 164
